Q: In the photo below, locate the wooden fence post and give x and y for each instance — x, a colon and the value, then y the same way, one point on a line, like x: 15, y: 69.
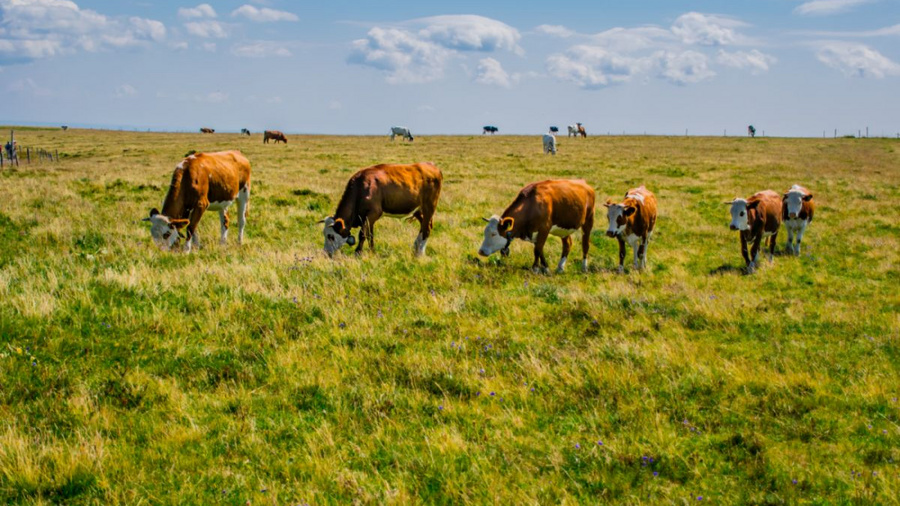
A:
x: 57, y: 155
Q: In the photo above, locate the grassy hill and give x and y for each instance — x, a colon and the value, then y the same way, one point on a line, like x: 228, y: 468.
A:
x: 268, y: 373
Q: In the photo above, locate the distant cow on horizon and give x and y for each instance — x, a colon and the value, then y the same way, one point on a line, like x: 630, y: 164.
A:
x: 490, y: 129
x: 554, y: 129
x: 402, y: 132
x: 275, y: 135
x: 246, y: 132
x: 206, y: 130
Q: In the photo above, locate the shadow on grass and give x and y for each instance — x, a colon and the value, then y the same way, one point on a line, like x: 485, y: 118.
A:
x: 728, y: 269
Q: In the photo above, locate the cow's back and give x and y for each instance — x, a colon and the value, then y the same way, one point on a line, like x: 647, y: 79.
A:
x: 219, y: 175
x: 768, y: 211
x: 568, y: 202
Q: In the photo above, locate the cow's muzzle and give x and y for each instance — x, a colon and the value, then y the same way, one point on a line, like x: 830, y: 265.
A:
x: 733, y: 226
x: 611, y: 233
x: 792, y: 216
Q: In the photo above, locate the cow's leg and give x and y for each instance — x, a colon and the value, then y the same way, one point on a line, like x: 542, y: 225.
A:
x: 799, y: 237
x: 367, y: 231
x: 243, y: 199
x: 754, y: 250
x: 744, y: 253
x: 636, y: 251
x: 540, y: 261
x: 772, y: 246
x: 645, y: 241
x: 790, y: 238
x: 425, y: 217
x: 586, y: 241
x: 621, y: 254
x: 193, y: 240
x: 223, y: 221
x: 566, y: 247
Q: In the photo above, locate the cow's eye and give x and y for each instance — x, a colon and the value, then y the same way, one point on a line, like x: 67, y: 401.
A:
x: 166, y: 235
x: 330, y: 237
x: 742, y: 213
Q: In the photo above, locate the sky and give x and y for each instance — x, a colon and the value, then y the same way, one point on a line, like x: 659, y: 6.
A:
x: 665, y: 67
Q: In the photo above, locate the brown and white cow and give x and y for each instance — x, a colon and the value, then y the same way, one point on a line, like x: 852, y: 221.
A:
x: 756, y: 217
x: 274, y: 135
x: 632, y: 221
x: 797, y: 211
x: 202, y: 181
x: 399, y: 191
x: 554, y: 207
x: 206, y: 130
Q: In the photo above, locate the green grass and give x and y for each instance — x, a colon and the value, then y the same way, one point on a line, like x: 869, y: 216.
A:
x: 271, y: 374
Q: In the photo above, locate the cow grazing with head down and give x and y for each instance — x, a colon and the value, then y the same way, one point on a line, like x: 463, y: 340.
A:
x: 201, y: 182
x: 246, y: 132
x: 581, y: 130
x: 402, y: 132
x: 490, y: 129
x: 632, y: 221
x: 274, y: 135
x: 206, y: 130
x: 756, y: 217
x: 549, y: 143
x: 554, y: 207
x: 399, y: 191
x: 797, y: 211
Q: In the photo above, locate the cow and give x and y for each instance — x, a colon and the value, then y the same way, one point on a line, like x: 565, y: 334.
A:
x: 756, y: 217
x: 206, y: 130
x: 246, y: 132
x: 402, y: 132
x: 274, y: 135
x: 632, y: 221
x: 549, y: 143
x: 581, y: 130
x: 751, y: 131
x: 490, y: 129
x: 553, y: 207
x: 573, y: 131
x: 201, y: 182
x: 399, y: 191
x: 797, y: 209
x: 554, y: 129
x: 64, y: 128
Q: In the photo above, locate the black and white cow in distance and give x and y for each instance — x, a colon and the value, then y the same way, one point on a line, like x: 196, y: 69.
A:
x: 402, y: 132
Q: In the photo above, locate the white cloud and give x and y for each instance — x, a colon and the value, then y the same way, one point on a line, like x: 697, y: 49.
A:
x: 206, y: 29
x: 491, y: 73
x: 826, y: 7
x: 888, y: 31
x: 684, y: 68
x: 33, y: 29
x: 754, y: 60
x: 633, y: 39
x: 856, y: 60
x: 264, y: 15
x: 596, y: 67
x: 215, y: 97
x: 555, y: 31
x: 418, y: 50
x: 126, y: 90
x: 260, y: 49
x: 707, y: 29
x: 209, y: 47
x: 198, y: 12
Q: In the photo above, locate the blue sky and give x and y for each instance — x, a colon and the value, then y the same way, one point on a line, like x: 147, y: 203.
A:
x: 790, y: 67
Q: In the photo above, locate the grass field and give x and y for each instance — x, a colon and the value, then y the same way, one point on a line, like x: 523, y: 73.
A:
x: 268, y: 373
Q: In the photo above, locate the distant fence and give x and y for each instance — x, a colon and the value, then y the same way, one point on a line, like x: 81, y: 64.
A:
x: 27, y: 155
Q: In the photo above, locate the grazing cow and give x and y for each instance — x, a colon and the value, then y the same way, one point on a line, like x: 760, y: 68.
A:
x: 206, y: 130
x: 797, y: 209
x: 201, y: 182
x: 751, y: 131
x: 555, y: 207
x: 490, y: 129
x: 64, y: 127
x: 398, y: 191
x: 402, y: 132
x: 246, y: 132
x: 632, y: 221
x: 274, y: 135
x: 549, y: 144
x: 756, y: 217
x: 554, y: 129
x: 581, y: 130
x: 573, y: 131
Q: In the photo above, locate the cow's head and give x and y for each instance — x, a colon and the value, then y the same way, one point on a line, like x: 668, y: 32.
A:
x: 793, y: 202
x: 740, y: 213
x: 165, y: 231
x: 337, y: 234
x: 618, y: 217
x: 497, y: 236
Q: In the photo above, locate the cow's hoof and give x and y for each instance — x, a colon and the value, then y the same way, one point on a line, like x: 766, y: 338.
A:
x: 621, y: 270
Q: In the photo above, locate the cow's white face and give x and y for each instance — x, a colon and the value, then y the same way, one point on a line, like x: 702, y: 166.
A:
x: 163, y: 230
x: 794, y: 201
x: 494, y: 238
x: 739, y: 219
x: 334, y: 240
x: 618, y: 218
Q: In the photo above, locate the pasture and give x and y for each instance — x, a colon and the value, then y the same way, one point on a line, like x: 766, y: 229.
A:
x: 269, y: 374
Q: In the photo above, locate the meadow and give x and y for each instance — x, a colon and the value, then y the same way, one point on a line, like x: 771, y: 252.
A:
x: 269, y: 374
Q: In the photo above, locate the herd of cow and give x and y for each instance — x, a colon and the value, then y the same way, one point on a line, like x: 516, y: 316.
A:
x: 213, y: 181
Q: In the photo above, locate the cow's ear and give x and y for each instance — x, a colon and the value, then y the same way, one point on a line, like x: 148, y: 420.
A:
x: 338, y: 225
x: 784, y: 197
x: 178, y: 223
x: 608, y: 202
x: 486, y: 220
x: 153, y: 212
x: 629, y: 211
x: 753, y: 205
x: 807, y: 198
x: 506, y: 224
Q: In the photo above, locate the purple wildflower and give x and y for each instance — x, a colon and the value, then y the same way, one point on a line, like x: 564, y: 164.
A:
x: 577, y: 446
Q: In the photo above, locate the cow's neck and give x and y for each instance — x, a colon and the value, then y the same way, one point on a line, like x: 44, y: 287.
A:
x: 173, y: 206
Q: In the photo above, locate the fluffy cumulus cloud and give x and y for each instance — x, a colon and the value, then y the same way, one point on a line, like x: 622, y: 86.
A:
x: 827, y: 7
x: 594, y: 67
x: 555, y: 31
x: 490, y: 72
x: 31, y: 29
x: 707, y: 29
x: 207, y: 29
x: 263, y: 15
x: 685, y: 67
x: 260, y: 49
x: 418, y: 51
x: 754, y: 60
x: 856, y: 60
x: 125, y: 91
x: 198, y: 12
